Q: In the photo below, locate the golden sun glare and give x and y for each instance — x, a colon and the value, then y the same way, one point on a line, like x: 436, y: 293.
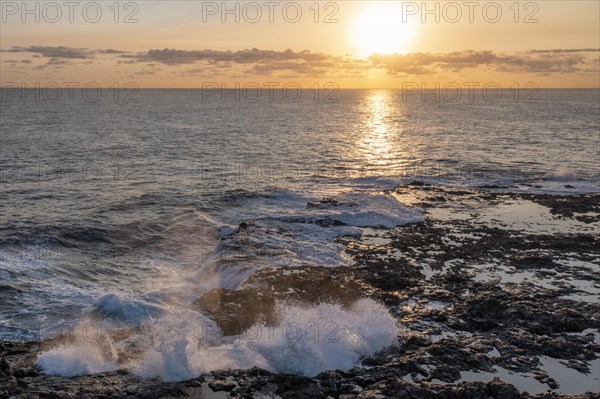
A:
x: 379, y: 29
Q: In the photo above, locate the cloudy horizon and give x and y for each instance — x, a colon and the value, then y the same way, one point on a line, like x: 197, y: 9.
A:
x: 184, y: 45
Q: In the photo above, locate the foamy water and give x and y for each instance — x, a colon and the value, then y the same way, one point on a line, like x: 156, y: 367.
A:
x: 175, y: 343
x: 132, y: 219
x: 181, y: 345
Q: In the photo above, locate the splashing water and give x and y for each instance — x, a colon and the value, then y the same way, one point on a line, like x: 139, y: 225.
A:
x: 181, y: 345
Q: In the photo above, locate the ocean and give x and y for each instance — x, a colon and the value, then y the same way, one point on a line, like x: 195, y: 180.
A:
x: 125, y: 211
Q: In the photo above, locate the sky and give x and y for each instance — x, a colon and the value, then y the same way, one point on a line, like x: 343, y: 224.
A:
x: 351, y: 44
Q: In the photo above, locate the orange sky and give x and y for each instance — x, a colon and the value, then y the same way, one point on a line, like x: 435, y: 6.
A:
x: 196, y: 43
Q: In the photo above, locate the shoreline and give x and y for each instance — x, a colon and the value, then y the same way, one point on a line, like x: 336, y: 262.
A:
x: 491, y: 284
x: 23, y: 380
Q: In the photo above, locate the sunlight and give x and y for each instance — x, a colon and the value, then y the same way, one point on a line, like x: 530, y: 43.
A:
x: 375, y: 144
x: 378, y: 28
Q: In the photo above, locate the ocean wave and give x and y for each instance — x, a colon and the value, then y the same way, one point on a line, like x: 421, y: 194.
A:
x: 115, y: 308
x: 297, y: 236
x: 63, y: 235
x: 181, y: 345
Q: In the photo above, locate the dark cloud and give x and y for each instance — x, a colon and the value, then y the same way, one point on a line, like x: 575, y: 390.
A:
x: 262, y: 62
x: 149, y: 69
x: 308, y: 63
x: 533, y: 61
x: 549, y: 62
x: 62, y: 52
x: 568, y: 50
x: 54, y: 52
x: 176, y: 57
x: 53, y: 63
x: 267, y: 62
x: 57, y: 61
x: 111, y: 51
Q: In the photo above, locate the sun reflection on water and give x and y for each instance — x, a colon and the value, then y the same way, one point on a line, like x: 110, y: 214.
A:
x: 381, y: 141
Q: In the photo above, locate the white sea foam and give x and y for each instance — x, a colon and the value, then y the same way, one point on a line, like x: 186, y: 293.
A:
x: 375, y: 210
x: 296, y: 235
x: 561, y: 174
x: 180, y: 345
x: 89, y: 352
x: 69, y: 361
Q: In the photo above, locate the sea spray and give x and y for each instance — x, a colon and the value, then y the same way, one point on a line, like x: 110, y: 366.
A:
x: 85, y: 352
x: 181, y: 345
x: 173, y: 342
x: 561, y: 174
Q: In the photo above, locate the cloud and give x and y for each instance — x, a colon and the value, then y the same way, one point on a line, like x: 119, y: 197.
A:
x: 267, y: 62
x: 262, y: 62
x: 568, y: 50
x: 533, y: 61
x: 61, y: 51
x: 111, y: 51
x: 308, y: 63
x: 54, y: 63
x: 150, y: 69
x: 176, y: 57
x: 54, y: 52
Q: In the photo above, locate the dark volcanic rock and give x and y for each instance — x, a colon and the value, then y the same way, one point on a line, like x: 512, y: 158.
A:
x: 221, y: 385
x: 296, y: 387
x: 425, y: 274
x: 4, y: 366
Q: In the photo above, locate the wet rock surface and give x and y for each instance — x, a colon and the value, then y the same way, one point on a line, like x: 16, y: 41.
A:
x: 486, y: 309
x: 237, y: 310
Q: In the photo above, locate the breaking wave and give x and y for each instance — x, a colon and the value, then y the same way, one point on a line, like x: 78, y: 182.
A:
x: 181, y: 345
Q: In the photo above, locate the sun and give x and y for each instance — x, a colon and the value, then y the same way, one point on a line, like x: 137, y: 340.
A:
x: 378, y: 28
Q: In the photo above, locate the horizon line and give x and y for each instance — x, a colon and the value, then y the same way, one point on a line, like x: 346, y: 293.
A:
x: 301, y: 87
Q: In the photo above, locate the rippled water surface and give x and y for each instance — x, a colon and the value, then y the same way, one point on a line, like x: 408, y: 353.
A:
x: 131, y: 209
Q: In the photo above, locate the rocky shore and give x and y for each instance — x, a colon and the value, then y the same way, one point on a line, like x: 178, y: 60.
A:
x: 496, y: 294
